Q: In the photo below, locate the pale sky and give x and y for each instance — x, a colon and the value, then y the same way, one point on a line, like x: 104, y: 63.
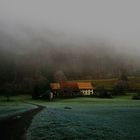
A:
x: 116, y: 21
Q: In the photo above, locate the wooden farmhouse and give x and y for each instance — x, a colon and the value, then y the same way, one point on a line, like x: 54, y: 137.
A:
x: 85, y: 88
x: 73, y: 88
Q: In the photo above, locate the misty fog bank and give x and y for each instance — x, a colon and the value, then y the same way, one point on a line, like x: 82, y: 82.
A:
x: 26, y: 52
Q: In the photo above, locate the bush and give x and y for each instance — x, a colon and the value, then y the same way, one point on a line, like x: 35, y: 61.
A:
x: 136, y: 96
x: 120, y: 88
x: 36, y: 92
x: 103, y: 93
x: 8, y: 90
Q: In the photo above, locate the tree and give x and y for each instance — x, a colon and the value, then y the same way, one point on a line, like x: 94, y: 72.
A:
x: 36, y: 92
x: 59, y: 76
x: 9, y: 90
x: 120, y: 87
x: 124, y: 77
x: 103, y: 93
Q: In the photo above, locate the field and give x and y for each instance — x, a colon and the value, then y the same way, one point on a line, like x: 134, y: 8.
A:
x: 133, y: 83
x: 79, y: 118
x: 87, y: 118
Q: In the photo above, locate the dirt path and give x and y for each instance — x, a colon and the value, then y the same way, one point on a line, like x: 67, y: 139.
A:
x: 15, y: 127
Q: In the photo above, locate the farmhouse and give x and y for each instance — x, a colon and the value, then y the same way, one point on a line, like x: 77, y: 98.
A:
x: 73, y: 88
x: 85, y: 88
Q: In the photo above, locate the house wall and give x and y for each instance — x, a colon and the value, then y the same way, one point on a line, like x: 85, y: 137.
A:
x: 87, y: 91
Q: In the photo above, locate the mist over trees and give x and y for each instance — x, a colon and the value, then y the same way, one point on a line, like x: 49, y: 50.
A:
x: 28, y: 58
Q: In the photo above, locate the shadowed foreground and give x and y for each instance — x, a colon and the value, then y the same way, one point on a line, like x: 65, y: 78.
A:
x: 14, y: 128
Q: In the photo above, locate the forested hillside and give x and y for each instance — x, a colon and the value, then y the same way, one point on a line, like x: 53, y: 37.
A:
x: 28, y: 57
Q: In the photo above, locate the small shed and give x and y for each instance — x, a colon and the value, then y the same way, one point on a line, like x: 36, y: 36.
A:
x: 55, y: 87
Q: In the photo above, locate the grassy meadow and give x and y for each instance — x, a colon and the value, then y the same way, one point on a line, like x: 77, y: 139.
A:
x: 79, y: 118
x: 87, y: 118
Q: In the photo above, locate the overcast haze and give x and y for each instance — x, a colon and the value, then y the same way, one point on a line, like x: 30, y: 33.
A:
x: 112, y: 20
x: 80, y: 38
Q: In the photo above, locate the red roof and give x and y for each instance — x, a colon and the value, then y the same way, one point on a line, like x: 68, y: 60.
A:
x: 55, y: 86
x: 68, y: 85
x: 85, y: 85
x: 79, y: 85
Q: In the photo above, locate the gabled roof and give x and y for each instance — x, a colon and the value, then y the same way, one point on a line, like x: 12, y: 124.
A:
x: 55, y: 86
x: 85, y: 85
x: 68, y: 85
x: 78, y: 85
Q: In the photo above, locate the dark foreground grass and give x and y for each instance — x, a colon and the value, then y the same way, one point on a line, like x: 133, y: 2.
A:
x: 14, y: 127
x: 17, y: 104
x: 87, y: 118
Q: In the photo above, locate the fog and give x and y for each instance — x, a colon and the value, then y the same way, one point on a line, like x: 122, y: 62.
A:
x: 114, y: 21
x: 81, y: 39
